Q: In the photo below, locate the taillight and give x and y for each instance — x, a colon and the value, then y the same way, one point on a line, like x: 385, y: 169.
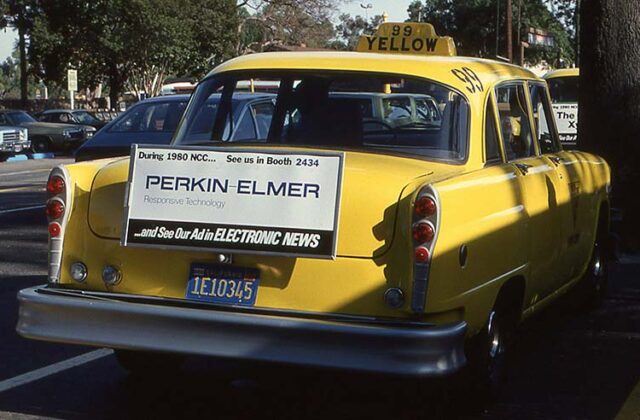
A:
x: 55, y: 229
x: 424, y: 231
x: 55, y: 209
x: 55, y: 185
x: 425, y: 207
x: 422, y: 254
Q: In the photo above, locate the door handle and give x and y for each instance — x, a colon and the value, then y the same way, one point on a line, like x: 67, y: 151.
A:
x: 557, y: 160
x: 523, y: 167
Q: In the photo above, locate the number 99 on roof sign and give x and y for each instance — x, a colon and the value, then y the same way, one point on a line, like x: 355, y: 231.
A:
x: 407, y: 38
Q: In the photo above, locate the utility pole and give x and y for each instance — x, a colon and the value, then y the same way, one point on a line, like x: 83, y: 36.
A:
x: 497, y: 28
x: 509, y: 31
x: 577, y: 33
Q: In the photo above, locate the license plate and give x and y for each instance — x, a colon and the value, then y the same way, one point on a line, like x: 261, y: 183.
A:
x: 17, y: 148
x: 223, y: 284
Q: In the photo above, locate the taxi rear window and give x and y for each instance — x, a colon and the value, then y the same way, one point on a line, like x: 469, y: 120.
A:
x: 336, y: 110
x: 564, y: 89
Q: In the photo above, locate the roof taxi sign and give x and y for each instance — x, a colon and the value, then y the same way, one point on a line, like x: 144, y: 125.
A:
x: 407, y: 38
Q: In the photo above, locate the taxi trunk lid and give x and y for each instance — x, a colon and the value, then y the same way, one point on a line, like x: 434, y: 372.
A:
x: 372, y: 186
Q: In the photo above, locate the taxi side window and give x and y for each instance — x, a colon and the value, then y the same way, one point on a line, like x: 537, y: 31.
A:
x: 245, y: 129
x: 3, y: 120
x: 543, y: 119
x: 514, y: 121
x: 492, y: 150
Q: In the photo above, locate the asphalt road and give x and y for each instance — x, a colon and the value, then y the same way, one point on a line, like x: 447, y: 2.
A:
x: 569, y: 363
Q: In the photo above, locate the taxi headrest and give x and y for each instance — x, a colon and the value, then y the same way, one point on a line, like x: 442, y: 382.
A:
x: 407, y: 38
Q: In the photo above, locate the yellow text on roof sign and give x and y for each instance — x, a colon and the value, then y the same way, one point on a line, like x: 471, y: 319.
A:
x: 407, y: 38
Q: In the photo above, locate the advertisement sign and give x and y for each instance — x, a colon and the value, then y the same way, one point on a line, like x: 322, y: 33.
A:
x: 567, y: 121
x: 237, y: 200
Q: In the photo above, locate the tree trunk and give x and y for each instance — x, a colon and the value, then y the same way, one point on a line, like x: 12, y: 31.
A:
x: 116, y: 84
x: 23, y: 60
x: 609, y: 113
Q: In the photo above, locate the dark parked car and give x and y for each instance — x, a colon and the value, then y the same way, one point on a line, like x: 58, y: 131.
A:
x: 154, y: 120
x: 45, y: 136
x: 71, y: 116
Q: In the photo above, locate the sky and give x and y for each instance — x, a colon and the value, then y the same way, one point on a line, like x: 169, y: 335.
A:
x: 8, y: 38
x: 397, y: 10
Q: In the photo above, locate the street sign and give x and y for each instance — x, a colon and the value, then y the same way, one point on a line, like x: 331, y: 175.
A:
x: 72, y: 80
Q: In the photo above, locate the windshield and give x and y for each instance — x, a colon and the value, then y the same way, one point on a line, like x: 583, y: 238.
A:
x: 85, y: 117
x: 150, y: 117
x: 20, y: 118
x: 564, y: 89
x: 330, y: 109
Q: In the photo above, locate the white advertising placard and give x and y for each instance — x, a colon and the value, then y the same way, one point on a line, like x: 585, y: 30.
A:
x: 236, y: 200
x: 567, y: 122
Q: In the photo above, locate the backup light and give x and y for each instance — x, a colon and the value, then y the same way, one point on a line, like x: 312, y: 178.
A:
x: 78, y: 272
x: 394, y: 297
x: 111, y: 275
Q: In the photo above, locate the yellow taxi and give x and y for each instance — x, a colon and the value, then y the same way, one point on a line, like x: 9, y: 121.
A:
x: 563, y: 88
x: 339, y: 241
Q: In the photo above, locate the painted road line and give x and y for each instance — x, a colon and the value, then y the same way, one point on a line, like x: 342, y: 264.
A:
x: 631, y: 408
x: 36, y: 375
x: 33, y: 171
x: 28, y: 187
x: 21, y: 209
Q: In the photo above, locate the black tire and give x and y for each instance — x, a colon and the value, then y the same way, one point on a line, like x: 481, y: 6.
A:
x: 595, y: 281
x: 148, y: 363
x: 40, y: 145
x: 489, y: 352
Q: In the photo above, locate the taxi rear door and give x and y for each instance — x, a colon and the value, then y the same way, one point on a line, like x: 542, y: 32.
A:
x: 566, y: 181
x: 535, y: 175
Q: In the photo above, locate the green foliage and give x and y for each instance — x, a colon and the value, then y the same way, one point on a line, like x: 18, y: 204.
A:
x: 134, y: 42
x: 472, y: 24
x: 351, y: 28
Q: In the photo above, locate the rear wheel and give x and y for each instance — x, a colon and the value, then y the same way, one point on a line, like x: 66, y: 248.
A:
x: 40, y: 145
x: 596, y: 279
x: 148, y: 363
x: 489, y: 352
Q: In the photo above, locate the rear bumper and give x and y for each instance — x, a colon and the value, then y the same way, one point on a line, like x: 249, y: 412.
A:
x: 415, y: 350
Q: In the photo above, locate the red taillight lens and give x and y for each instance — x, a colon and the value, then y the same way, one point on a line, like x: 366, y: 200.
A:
x: 55, y: 185
x: 55, y: 209
x: 423, y: 232
x: 422, y: 254
x: 54, y: 229
x: 425, y: 207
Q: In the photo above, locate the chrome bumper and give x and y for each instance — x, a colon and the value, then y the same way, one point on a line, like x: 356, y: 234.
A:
x: 414, y: 350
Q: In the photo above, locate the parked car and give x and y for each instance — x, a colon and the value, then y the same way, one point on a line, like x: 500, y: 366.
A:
x: 72, y: 116
x: 323, y: 243
x: 13, y: 140
x: 45, y: 136
x: 563, y: 87
x: 154, y: 120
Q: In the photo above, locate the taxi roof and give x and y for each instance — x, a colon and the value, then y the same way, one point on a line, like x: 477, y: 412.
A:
x: 562, y: 73
x: 436, y: 68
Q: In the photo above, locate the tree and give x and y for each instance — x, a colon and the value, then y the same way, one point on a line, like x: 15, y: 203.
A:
x: 472, y: 24
x: 352, y: 28
x: 136, y: 43
x: 286, y: 22
x: 20, y: 14
x: 609, y: 112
